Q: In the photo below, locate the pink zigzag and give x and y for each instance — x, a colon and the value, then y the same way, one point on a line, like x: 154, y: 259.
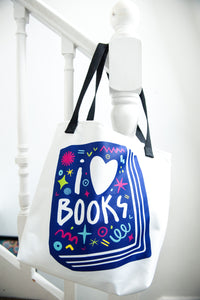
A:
x: 63, y: 235
x: 116, y: 150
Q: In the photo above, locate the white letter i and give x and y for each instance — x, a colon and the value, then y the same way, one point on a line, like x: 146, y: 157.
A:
x: 78, y: 181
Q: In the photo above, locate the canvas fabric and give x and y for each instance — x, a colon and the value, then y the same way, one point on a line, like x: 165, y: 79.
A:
x: 99, y: 214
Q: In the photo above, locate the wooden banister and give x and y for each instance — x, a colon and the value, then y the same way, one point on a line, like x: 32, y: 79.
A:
x: 44, y: 13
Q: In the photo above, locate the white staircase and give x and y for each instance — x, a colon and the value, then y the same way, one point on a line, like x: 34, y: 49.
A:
x: 17, y: 279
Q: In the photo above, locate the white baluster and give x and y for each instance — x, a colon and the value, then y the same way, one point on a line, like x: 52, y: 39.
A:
x: 125, y: 67
x: 21, y: 17
x: 68, y: 51
x: 69, y: 290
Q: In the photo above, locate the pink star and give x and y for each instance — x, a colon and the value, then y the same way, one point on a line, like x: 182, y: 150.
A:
x: 120, y: 185
x: 131, y: 237
x: 87, y: 193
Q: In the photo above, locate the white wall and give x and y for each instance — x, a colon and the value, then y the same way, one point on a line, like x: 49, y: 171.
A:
x: 170, y: 33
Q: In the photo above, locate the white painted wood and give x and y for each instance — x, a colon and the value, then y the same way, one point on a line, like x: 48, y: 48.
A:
x: 133, y: 297
x: 45, y: 14
x: 125, y: 17
x: 21, y: 17
x: 35, y: 282
x: 179, y: 298
x: 68, y: 51
x: 18, y: 281
x: 69, y: 290
x: 125, y: 67
x: 125, y: 63
x: 125, y: 112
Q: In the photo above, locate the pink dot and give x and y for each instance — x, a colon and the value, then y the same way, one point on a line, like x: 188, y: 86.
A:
x: 86, y: 173
x: 102, y: 231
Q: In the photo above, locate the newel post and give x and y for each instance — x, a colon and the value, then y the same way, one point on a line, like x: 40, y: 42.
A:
x: 125, y: 75
x: 21, y: 16
x: 125, y: 67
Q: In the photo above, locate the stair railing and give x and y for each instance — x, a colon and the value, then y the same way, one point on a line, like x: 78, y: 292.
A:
x: 124, y: 90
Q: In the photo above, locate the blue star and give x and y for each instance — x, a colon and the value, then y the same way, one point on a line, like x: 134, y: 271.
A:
x: 84, y: 233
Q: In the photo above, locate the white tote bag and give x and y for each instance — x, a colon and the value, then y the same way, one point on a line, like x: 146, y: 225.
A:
x: 100, y: 211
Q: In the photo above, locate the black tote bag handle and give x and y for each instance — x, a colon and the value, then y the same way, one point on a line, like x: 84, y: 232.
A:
x: 147, y: 141
x: 99, y: 72
x: 96, y: 66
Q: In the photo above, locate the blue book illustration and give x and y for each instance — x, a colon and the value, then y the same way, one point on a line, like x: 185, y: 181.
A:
x: 99, y: 214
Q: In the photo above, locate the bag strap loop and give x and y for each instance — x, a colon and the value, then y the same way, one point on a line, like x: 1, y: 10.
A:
x: 147, y: 141
x: 99, y: 72
x: 97, y: 63
x: 96, y: 66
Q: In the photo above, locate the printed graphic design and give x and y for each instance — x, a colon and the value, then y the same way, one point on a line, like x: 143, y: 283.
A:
x: 99, y: 214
